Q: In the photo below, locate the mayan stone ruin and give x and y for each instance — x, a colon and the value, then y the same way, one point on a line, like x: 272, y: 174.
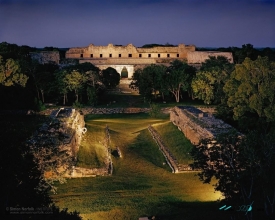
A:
x: 130, y: 58
x: 57, y: 140
x: 196, y: 124
x: 44, y: 57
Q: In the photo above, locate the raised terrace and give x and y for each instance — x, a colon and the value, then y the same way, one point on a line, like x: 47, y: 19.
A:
x: 196, y: 124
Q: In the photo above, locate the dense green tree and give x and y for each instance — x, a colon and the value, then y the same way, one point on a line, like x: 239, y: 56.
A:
x: 251, y: 88
x: 141, y: 83
x: 209, y: 81
x: 243, y: 167
x: 247, y: 51
x: 110, y: 77
x: 59, y: 84
x: 74, y: 82
x: 178, y: 78
x: 149, y: 80
x: 82, y: 79
x: 11, y: 73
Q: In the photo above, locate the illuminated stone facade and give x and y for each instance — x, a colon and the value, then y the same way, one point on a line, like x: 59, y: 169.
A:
x: 132, y: 57
x: 44, y: 57
x: 196, y: 124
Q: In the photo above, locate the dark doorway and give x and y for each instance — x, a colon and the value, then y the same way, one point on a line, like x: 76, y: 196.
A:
x: 124, y: 73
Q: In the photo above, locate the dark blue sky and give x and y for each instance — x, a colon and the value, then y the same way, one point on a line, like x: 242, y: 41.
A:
x: 72, y: 23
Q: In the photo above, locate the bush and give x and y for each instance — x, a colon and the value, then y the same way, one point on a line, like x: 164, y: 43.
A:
x: 155, y: 110
x: 39, y: 105
x: 77, y: 105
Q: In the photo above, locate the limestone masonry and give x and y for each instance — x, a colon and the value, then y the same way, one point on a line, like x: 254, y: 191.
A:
x: 197, y: 125
x: 131, y: 58
x: 62, y: 135
x: 46, y: 57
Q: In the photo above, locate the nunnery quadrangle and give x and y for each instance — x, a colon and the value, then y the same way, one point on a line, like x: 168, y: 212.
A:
x: 126, y: 59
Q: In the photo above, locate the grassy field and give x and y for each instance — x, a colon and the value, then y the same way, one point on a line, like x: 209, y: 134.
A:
x: 178, y: 145
x: 142, y: 184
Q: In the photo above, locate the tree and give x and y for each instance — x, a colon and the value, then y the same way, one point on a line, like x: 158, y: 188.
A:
x: 178, y: 77
x: 243, y: 167
x: 74, y: 82
x: 141, y: 83
x: 110, y: 77
x: 11, y: 74
x: 21, y: 185
x: 43, y: 76
x: 247, y: 51
x: 209, y: 81
x: 251, y: 88
x: 93, y: 85
x: 149, y: 80
x: 60, y: 84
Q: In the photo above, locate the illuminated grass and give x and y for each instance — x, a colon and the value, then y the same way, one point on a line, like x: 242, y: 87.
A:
x: 92, y: 153
x: 175, y: 141
x: 141, y: 184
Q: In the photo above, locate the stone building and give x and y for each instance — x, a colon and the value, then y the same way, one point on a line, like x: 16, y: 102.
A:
x: 129, y: 58
x: 44, y: 57
x: 196, y: 124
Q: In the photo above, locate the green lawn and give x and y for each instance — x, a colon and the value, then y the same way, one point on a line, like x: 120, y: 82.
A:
x: 175, y: 141
x: 141, y: 185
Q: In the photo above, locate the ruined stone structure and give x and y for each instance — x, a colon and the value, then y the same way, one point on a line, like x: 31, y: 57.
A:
x: 131, y: 58
x: 57, y: 141
x: 197, y: 125
x: 44, y: 57
x: 73, y: 126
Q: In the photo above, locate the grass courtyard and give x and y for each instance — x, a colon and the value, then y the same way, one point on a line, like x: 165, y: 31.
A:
x: 142, y: 183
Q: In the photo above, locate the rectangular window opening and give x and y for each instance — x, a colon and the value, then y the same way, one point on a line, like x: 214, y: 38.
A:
x: 129, y: 55
x: 100, y: 55
x: 119, y: 55
x: 149, y: 55
x: 110, y: 55
x: 168, y: 55
x: 140, y: 55
x: 158, y: 55
x: 91, y: 55
x: 178, y: 55
x: 81, y: 55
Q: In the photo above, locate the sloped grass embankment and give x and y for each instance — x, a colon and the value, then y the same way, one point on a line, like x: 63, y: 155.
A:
x: 142, y: 184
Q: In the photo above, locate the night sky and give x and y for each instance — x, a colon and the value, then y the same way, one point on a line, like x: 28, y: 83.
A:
x: 73, y: 23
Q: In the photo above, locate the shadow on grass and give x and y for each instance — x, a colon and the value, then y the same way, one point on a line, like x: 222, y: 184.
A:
x: 172, y: 208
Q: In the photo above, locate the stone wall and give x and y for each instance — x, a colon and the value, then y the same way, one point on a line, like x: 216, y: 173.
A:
x: 87, y: 111
x: 128, y: 51
x: 167, y: 154
x: 57, y: 141
x: 198, y: 57
x: 73, y: 121
x: 131, y: 55
x: 44, y: 57
x: 196, y: 124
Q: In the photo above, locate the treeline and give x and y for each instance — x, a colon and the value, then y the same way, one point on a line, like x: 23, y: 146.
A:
x: 247, y: 50
x: 246, y: 88
x: 244, y: 95
x: 25, y: 83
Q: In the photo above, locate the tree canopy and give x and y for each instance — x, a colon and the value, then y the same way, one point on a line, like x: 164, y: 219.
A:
x: 179, y: 77
x: 11, y: 74
x: 209, y: 81
x: 110, y: 77
x: 149, y: 80
x: 251, y: 88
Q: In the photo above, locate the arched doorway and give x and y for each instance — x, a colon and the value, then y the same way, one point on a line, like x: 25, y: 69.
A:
x: 124, y: 73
